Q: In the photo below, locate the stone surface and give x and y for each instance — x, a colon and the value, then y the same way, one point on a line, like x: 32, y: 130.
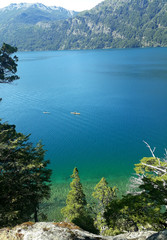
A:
x: 159, y: 236
x: 143, y: 235
x: 67, y: 231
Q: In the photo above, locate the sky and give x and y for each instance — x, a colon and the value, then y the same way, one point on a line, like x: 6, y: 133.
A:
x: 77, y: 5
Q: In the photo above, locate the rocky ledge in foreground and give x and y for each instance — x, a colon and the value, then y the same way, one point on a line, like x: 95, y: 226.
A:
x: 68, y: 231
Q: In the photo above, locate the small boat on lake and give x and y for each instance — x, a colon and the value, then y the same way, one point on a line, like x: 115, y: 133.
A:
x: 75, y: 113
x: 46, y: 112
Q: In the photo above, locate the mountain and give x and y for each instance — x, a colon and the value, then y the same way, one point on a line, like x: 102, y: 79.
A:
x: 111, y: 24
x: 28, y: 13
x: 119, y: 24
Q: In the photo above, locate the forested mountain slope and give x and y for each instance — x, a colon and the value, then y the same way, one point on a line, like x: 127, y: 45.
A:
x: 111, y: 24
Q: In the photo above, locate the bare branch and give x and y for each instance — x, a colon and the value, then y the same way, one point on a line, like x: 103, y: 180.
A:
x: 165, y: 155
x: 135, y: 180
x: 154, y: 167
x: 152, y: 151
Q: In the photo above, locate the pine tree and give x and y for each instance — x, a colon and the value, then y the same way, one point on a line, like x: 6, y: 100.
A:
x: 24, y: 177
x: 152, y: 181
x: 8, y: 64
x: 76, y: 209
x: 131, y: 213
x: 76, y: 201
x: 104, y: 194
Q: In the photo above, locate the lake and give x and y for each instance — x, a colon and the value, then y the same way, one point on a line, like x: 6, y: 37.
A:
x: 121, y: 95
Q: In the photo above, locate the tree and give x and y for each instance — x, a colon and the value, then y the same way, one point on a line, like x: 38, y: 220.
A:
x: 143, y: 207
x: 133, y: 212
x: 76, y: 201
x: 104, y: 194
x: 8, y: 65
x: 151, y: 180
x: 152, y: 171
x: 24, y: 177
x: 76, y: 209
x: 153, y: 168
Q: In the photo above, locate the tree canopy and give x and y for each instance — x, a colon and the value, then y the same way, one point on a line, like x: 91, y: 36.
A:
x: 152, y: 177
x: 76, y: 201
x: 24, y: 176
x: 8, y: 64
x: 104, y: 195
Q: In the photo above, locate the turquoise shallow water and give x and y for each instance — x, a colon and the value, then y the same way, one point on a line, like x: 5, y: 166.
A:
x: 122, y: 98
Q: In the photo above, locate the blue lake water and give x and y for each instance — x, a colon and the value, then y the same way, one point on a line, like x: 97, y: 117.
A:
x: 121, y: 95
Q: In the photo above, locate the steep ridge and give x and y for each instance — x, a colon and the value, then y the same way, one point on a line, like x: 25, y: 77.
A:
x: 119, y: 24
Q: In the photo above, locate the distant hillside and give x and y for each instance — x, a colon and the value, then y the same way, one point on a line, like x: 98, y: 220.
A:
x: 27, y: 13
x: 111, y: 24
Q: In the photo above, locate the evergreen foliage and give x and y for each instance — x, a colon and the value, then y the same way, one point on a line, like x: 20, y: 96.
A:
x: 76, y: 201
x: 104, y: 195
x: 145, y: 207
x: 133, y: 213
x: 76, y: 209
x: 152, y: 168
x: 153, y: 173
x: 8, y: 66
x: 24, y: 177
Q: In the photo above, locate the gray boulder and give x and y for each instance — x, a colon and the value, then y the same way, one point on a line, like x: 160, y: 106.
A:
x: 158, y: 236
x: 67, y: 231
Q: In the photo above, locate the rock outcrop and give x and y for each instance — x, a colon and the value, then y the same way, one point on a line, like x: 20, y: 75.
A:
x: 66, y: 231
x: 159, y: 236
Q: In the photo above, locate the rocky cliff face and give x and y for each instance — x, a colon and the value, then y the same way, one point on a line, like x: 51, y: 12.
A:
x: 68, y: 231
